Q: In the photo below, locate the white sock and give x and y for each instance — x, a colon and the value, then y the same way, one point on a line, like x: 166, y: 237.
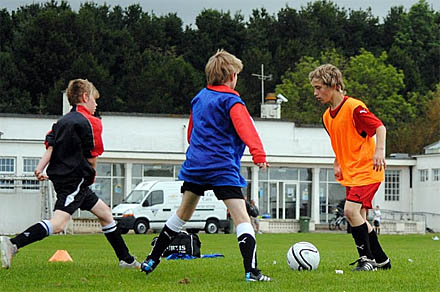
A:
x: 109, y: 228
x: 48, y: 226
x: 175, y: 223
x: 245, y: 228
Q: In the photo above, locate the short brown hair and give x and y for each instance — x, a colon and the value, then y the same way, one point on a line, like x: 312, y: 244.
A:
x: 77, y: 88
x: 329, y: 75
x: 221, y: 66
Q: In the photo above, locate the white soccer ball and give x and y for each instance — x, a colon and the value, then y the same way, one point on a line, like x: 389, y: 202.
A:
x: 303, y: 256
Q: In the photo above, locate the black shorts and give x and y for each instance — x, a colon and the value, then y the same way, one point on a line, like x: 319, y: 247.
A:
x: 376, y: 223
x: 221, y: 192
x: 74, y: 195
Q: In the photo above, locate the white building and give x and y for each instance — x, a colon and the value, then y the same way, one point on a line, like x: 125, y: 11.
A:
x: 300, y: 181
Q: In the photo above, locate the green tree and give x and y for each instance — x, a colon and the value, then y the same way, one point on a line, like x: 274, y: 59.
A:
x: 6, y: 29
x: 302, y: 107
x: 13, y: 98
x: 424, y: 130
x: 361, y: 30
x: 215, y: 30
x: 378, y: 84
x: 160, y: 83
x: 416, y: 46
x: 44, y: 46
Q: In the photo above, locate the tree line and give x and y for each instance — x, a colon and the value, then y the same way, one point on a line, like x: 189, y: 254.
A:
x: 141, y: 62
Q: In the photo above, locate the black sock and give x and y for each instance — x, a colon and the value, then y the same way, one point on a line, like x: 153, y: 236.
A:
x: 114, y: 237
x: 362, y: 241
x: 376, y: 249
x: 34, y: 233
x: 247, y: 245
x: 163, y: 241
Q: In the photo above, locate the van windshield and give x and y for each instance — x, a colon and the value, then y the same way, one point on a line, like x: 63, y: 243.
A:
x: 135, y: 197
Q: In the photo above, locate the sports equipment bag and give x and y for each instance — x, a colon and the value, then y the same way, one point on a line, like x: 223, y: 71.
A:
x: 184, y: 243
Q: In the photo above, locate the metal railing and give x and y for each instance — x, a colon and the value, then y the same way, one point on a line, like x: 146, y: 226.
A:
x: 14, y: 184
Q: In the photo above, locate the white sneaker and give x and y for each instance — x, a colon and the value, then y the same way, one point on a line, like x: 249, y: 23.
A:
x: 7, y: 250
x: 134, y: 265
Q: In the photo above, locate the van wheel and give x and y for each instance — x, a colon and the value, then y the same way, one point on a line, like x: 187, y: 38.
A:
x: 123, y: 230
x: 211, y: 226
x: 141, y: 226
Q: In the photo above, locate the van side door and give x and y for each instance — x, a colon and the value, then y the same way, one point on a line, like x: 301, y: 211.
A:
x: 154, y: 203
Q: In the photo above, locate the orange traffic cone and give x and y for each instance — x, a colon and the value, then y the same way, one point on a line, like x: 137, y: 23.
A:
x: 61, y: 256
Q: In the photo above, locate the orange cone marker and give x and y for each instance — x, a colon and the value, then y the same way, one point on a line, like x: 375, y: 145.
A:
x: 61, y: 256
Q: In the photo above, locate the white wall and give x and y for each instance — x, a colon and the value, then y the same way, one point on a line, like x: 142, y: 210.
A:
x: 18, y: 211
x: 426, y: 194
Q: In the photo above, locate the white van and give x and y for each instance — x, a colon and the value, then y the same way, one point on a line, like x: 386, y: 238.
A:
x: 151, y: 203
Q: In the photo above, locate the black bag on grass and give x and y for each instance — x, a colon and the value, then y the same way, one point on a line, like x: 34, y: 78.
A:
x: 184, y: 243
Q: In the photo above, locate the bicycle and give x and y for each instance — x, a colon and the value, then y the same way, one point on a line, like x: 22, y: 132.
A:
x: 339, y: 221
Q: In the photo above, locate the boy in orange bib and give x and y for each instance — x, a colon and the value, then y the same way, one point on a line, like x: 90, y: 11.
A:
x: 360, y: 161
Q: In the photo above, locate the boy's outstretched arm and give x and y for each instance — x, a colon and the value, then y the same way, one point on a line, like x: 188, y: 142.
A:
x: 44, y: 161
x: 246, y: 130
x: 379, y: 153
x: 190, y: 128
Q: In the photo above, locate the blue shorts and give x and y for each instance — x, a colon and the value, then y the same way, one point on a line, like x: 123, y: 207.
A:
x: 221, y: 192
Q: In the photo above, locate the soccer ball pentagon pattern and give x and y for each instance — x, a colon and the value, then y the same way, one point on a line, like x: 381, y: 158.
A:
x: 303, y: 256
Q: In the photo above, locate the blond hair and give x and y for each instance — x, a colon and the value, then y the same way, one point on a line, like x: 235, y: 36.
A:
x: 77, y: 88
x: 221, y: 66
x: 329, y: 75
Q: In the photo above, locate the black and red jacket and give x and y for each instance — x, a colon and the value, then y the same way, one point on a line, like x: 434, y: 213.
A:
x: 75, y: 138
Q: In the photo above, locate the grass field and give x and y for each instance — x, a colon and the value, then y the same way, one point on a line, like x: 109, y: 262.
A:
x: 415, y: 261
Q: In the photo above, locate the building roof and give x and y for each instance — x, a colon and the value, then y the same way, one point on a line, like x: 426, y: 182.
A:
x: 432, y: 148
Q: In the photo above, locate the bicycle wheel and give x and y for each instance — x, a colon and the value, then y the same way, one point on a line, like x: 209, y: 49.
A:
x: 343, y: 224
x: 332, y: 224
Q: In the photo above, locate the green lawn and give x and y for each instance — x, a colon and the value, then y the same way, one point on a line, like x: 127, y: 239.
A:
x: 415, y: 261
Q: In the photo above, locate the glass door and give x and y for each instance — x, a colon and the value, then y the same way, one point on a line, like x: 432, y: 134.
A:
x: 290, y: 201
x: 274, y: 203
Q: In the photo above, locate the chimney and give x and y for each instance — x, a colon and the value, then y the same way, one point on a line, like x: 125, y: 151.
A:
x: 271, y: 109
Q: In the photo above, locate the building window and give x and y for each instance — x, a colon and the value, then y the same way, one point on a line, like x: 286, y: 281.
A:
x: 29, y: 164
x: 436, y: 174
x: 7, y: 165
x: 392, y: 185
x: 423, y: 175
x: 109, y: 184
x: 331, y: 193
x: 142, y: 172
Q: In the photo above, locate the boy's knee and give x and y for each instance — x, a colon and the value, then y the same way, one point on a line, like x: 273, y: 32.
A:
x: 58, y: 227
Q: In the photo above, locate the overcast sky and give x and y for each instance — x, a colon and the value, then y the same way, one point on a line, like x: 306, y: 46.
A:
x: 187, y: 10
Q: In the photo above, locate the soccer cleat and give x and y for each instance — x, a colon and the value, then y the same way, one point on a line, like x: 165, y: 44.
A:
x: 7, y: 250
x: 149, y: 265
x: 364, y: 264
x: 386, y: 265
x: 257, y: 276
x: 134, y: 265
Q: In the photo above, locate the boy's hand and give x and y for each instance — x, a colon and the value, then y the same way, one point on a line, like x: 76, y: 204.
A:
x: 379, y: 160
x: 263, y: 165
x: 40, y: 175
x: 337, y: 170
